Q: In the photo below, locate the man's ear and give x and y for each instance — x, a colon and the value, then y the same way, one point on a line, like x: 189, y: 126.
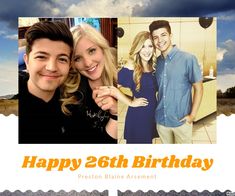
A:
x: 26, y: 58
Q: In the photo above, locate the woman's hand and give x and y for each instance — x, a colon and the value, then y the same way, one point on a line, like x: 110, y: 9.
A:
x: 105, y: 99
x: 111, y: 91
x: 138, y: 102
x: 108, y: 91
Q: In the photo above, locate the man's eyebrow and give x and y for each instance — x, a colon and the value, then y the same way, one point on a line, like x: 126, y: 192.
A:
x: 63, y: 54
x: 46, y: 53
x: 41, y: 52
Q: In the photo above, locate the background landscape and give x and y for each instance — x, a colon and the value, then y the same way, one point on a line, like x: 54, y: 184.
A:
x: 9, y: 13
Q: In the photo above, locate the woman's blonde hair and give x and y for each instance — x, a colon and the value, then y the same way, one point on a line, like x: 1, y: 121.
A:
x: 134, y: 55
x: 109, y: 75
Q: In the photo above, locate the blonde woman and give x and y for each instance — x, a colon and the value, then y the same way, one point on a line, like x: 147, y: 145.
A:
x: 138, y: 76
x: 90, y: 119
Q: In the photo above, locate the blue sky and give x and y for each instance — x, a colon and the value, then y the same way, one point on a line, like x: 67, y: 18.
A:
x: 12, y: 9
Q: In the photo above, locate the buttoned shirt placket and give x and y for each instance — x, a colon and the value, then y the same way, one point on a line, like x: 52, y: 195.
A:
x: 164, y: 89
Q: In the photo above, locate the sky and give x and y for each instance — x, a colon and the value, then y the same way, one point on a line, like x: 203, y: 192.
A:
x: 224, y: 11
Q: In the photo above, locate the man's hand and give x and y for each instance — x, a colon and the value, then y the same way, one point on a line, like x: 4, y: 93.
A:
x: 188, y: 118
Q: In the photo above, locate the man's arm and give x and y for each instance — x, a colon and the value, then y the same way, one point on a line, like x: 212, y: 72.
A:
x: 197, y: 97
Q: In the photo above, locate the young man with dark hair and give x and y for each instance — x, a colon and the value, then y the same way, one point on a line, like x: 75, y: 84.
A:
x: 48, y: 55
x: 176, y: 73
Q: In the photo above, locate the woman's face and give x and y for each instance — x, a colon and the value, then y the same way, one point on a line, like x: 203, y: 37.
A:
x: 146, y: 52
x: 89, y: 59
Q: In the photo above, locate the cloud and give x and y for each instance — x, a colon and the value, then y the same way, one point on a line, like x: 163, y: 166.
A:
x: 55, y: 11
x: 2, y: 32
x: 103, y: 8
x: 114, y: 8
x: 220, y: 54
x: 227, y: 62
x: 224, y: 16
x: 183, y: 8
x: 11, y: 10
x: 225, y: 81
x: 12, y: 37
x: 50, y: 8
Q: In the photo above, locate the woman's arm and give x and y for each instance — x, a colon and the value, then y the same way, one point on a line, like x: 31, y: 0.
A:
x: 108, y: 103
x: 106, y: 98
x: 112, y: 128
x: 112, y: 91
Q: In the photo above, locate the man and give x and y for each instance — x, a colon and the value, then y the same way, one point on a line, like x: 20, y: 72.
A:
x: 48, y: 54
x: 176, y: 73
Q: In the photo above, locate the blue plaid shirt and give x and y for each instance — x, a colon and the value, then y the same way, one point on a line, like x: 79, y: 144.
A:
x: 175, y: 75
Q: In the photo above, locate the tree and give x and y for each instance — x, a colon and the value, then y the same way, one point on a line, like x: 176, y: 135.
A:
x: 230, y: 92
x: 219, y: 94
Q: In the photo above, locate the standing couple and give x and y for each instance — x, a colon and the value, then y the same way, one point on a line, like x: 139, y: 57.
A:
x: 162, y: 88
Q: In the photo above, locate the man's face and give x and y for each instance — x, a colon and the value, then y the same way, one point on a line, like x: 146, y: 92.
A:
x: 162, y: 40
x: 48, y: 66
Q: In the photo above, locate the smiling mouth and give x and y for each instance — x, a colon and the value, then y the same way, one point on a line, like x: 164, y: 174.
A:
x: 147, y: 55
x: 161, y: 45
x: 50, y: 76
x: 91, y: 69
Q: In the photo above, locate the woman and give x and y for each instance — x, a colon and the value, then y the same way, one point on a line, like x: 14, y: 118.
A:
x: 138, y: 76
x: 90, y: 119
x: 140, y: 126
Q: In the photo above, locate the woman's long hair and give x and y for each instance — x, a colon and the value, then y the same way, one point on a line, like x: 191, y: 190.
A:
x: 109, y: 75
x: 134, y: 55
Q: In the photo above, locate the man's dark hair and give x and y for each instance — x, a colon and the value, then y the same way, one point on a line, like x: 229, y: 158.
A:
x: 55, y: 31
x: 157, y: 24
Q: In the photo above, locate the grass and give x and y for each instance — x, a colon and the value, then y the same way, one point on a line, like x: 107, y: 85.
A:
x: 9, y: 106
x: 225, y: 106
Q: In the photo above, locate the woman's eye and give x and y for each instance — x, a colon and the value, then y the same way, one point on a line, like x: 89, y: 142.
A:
x: 92, y: 50
x: 77, y: 59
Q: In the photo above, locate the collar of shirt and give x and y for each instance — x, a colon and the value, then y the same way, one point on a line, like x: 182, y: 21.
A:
x: 172, y: 52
